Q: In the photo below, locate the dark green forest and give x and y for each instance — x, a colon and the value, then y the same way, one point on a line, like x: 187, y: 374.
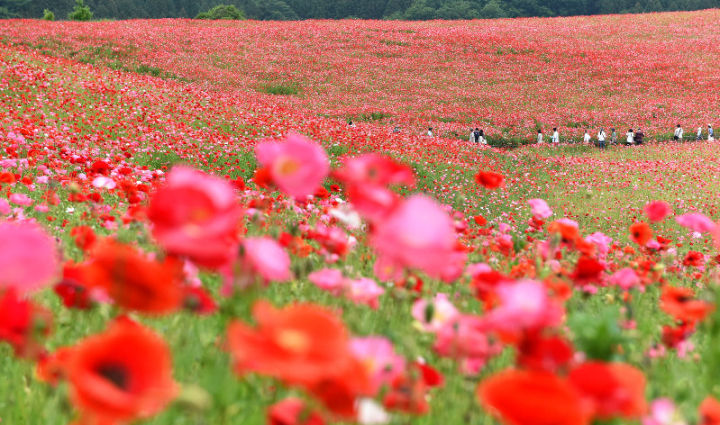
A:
x: 360, y: 9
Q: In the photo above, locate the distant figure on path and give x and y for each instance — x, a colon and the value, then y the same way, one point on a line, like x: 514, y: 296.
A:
x: 540, y: 137
x: 699, y: 134
x: 555, y: 136
x: 639, y: 137
x: 586, y: 137
x: 472, y: 136
x: 481, y: 139
x: 678, y: 133
x: 430, y: 133
x: 711, y: 133
x: 601, y: 139
x: 477, y: 134
x: 396, y: 129
x: 613, y: 137
x: 351, y: 124
x: 629, y: 137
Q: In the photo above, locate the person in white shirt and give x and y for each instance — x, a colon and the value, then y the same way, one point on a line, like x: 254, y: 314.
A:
x: 471, y: 139
x: 630, y: 137
x: 586, y: 137
x: 699, y: 134
x: 430, y: 133
x: 481, y: 138
x: 601, y: 139
x: 555, y: 136
x: 678, y: 133
x: 540, y: 137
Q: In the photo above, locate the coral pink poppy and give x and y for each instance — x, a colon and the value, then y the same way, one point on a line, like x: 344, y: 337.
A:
x: 657, y: 210
x: 540, y: 209
x: 28, y: 257
x: 418, y: 234
x: 196, y: 215
x: 267, y: 259
x: 378, y: 356
x: 696, y: 222
x: 297, y: 165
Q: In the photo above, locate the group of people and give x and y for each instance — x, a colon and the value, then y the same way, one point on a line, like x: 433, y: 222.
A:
x: 632, y: 137
x: 678, y: 135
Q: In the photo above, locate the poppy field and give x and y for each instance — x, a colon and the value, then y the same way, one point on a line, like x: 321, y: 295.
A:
x: 192, y: 234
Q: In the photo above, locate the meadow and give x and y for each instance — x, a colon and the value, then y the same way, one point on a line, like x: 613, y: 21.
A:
x: 164, y: 183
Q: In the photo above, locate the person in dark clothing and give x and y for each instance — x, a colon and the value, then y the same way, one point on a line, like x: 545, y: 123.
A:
x: 639, y: 137
x: 476, y: 134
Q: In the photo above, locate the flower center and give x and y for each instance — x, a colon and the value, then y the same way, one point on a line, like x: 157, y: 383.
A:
x: 286, y: 166
x: 117, y: 374
x: 294, y: 341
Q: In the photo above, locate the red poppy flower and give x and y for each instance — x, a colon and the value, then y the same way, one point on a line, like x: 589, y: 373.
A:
x: 489, y: 179
x: 613, y: 389
x: 709, y: 412
x: 640, y: 233
x: 680, y: 304
x: 587, y: 270
x: 293, y: 411
x: 532, y: 398
x: 84, y: 237
x: 22, y: 324
x: 132, y: 280
x: 300, y: 344
x: 122, y: 374
x: 548, y: 353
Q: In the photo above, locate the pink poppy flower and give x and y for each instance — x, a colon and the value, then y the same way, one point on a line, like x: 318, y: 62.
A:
x: 464, y: 339
x: 625, y: 278
x: 696, y: 222
x: 297, y: 165
x: 433, y: 315
x: 196, y: 215
x: 663, y: 412
x: 378, y: 356
x: 5, y: 208
x: 418, y: 234
x: 28, y: 257
x: 267, y: 259
x: 20, y: 199
x: 364, y: 291
x: 540, y: 209
x: 328, y: 279
x: 524, y: 305
x: 657, y: 210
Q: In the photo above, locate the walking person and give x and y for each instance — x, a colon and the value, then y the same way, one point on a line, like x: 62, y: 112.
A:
x: 601, y: 139
x: 555, y: 136
x: 586, y: 137
x: 711, y: 133
x: 471, y: 139
x: 430, y: 133
x: 539, y: 137
x: 481, y: 137
x: 639, y: 137
x: 699, y: 134
x: 678, y: 135
x: 613, y: 137
x: 629, y: 137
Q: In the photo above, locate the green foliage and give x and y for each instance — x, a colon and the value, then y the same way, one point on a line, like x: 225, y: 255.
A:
x: 48, y: 15
x: 81, y: 12
x: 282, y: 89
x: 341, y: 9
x: 597, y: 334
x: 222, y: 11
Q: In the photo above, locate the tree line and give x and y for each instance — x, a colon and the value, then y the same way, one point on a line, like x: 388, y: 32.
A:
x: 340, y: 9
